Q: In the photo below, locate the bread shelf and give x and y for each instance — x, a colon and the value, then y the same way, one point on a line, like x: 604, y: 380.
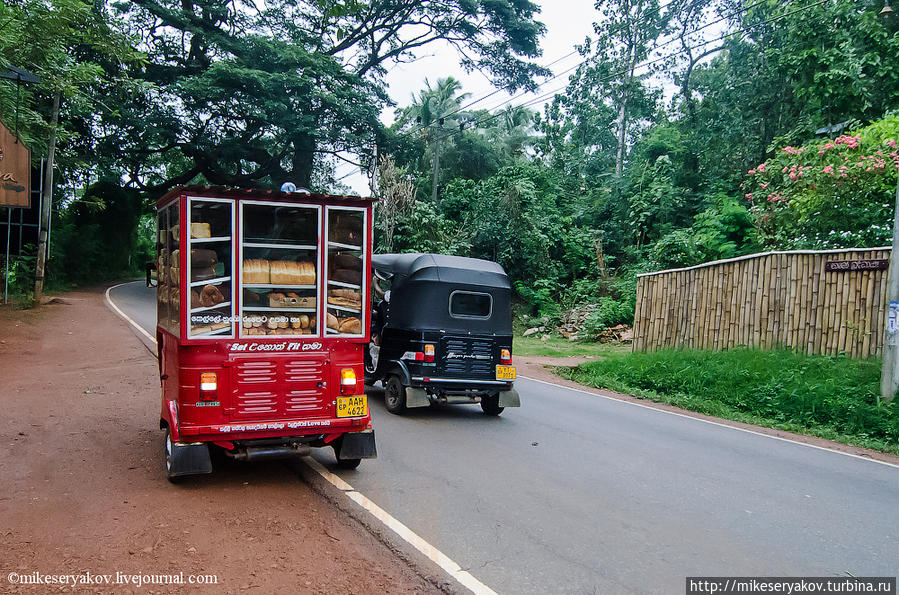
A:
x: 342, y: 284
x: 207, y: 308
x: 333, y: 307
x: 280, y: 246
x: 285, y: 309
x: 270, y: 286
x: 205, y: 240
x: 211, y: 333
x: 331, y: 331
x: 215, y: 281
x: 344, y: 246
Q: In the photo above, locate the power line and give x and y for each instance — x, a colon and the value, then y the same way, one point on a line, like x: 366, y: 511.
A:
x: 545, y: 96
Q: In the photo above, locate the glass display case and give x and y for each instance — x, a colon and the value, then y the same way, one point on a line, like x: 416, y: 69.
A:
x: 279, y: 273
x: 168, y: 295
x: 210, y: 311
x: 346, y: 287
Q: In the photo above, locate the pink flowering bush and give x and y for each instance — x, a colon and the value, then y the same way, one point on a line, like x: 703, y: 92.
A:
x: 829, y: 193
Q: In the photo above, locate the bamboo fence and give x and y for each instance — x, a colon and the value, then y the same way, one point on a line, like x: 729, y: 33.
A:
x: 769, y: 300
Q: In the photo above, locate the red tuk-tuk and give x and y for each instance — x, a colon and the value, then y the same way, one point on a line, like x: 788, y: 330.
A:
x: 262, y: 318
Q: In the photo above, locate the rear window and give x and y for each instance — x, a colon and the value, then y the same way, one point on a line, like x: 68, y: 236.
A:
x: 468, y: 304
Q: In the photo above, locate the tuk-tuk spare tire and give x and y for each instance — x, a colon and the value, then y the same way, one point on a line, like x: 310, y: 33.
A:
x: 395, y: 395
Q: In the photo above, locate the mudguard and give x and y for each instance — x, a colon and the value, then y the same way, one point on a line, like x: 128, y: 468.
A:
x: 509, y: 398
x: 399, y: 368
x: 416, y: 397
x: 358, y: 445
x: 190, y: 459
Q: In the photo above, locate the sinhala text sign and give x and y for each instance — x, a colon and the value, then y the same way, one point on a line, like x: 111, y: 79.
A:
x: 15, y: 171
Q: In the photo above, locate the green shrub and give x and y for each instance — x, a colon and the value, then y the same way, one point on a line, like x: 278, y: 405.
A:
x: 610, y: 312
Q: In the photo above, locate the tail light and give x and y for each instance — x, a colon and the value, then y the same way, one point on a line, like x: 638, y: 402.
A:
x: 429, y: 354
x: 505, y: 356
x: 208, y: 386
x: 347, y: 381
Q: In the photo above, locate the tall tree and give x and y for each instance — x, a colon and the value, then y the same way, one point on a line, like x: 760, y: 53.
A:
x: 252, y: 97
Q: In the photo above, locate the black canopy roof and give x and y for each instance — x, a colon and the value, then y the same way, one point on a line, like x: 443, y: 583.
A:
x: 422, y: 286
x: 440, y: 268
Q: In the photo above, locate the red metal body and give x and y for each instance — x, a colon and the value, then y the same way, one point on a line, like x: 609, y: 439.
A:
x: 283, y: 385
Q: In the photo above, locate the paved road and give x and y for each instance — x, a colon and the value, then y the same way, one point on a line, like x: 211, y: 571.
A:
x: 582, y: 494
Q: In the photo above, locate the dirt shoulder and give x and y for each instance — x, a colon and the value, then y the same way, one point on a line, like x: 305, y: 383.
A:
x: 540, y: 368
x: 83, y: 488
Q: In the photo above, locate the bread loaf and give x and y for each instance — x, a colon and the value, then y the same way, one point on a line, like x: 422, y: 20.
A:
x: 286, y: 272
x: 200, y: 230
x: 210, y: 296
x: 202, y: 273
x: 347, y: 276
x: 195, y: 299
x: 350, y: 326
x: 203, y: 258
x: 345, y: 261
x: 346, y: 298
x: 332, y: 322
x: 256, y: 272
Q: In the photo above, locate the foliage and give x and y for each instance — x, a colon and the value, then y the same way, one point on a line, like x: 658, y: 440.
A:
x: 833, y: 397
x: 244, y: 95
x: 828, y: 193
x: 609, y: 312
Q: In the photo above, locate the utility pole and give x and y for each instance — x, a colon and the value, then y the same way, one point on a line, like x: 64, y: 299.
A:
x: 436, y: 159
x: 889, y: 375
x: 47, y: 198
x: 889, y: 378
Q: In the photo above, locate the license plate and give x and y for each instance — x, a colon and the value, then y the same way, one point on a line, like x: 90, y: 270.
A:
x: 505, y: 372
x: 352, y: 406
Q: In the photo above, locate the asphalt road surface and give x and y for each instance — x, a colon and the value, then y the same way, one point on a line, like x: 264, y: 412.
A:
x: 582, y: 494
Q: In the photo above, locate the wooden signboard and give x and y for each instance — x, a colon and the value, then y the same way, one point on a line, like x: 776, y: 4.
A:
x: 15, y: 171
x: 845, y: 266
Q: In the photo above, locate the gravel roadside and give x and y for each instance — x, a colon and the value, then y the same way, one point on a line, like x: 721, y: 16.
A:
x: 83, y: 488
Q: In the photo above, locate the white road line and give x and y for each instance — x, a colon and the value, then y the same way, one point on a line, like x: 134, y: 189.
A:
x: 127, y: 318
x: 405, y: 533
x: 714, y: 423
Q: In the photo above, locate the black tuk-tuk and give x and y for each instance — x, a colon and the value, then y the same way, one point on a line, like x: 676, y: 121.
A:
x: 441, y: 332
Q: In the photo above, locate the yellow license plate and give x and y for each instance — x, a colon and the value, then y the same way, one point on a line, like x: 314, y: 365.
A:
x: 352, y: 406
x: 505, y: 372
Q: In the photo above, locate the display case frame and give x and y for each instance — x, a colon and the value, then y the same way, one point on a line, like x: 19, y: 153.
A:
x: 186, y: 265
x: 364, y: 311
x: 241, y: 256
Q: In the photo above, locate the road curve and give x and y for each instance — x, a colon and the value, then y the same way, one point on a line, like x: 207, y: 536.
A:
x: 578, y: 493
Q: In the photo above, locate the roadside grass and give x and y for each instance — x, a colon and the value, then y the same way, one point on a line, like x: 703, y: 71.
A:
x: 832, y: 397
x: 557, y: 346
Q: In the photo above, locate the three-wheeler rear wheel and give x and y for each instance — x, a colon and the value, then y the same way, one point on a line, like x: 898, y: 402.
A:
x: 395, y: 395
x: 490, y: 404
x: 168, y: 449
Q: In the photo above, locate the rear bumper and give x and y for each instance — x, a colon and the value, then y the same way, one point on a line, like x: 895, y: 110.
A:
x: 461, y: 383
x: 252, y: 430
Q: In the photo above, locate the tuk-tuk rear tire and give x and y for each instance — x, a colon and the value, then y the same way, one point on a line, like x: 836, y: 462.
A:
x: 167, y: 453
x: 395, y: 395
x: 490, y: 404
x: 348, y: 463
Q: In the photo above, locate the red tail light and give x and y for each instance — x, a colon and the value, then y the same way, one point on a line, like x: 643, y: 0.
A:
x: 347, y: 381
x: 505, y: 356
x: 429, y: 354
x: 208, y: 386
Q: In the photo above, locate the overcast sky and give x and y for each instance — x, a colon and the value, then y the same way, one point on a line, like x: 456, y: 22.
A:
x: 567, y: 22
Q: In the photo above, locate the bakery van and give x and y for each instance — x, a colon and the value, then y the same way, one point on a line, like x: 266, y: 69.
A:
x: 262, y: 320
